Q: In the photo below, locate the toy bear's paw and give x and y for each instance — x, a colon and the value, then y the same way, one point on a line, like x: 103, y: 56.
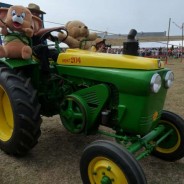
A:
x: 28, y: 32
x: 61, y: 36
x: 26, y: 52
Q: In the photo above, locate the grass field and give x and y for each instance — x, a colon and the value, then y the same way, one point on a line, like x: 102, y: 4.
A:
x: 158, y: 171
x: 175, y: 96
x: 55, y: 160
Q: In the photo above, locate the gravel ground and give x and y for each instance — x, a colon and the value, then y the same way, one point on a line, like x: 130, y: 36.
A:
x: 55, y: 160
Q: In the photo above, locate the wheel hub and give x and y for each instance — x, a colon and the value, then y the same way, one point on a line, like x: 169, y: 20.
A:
x: 106, y: 180
x: 73, y: 114
x: 104, y: 171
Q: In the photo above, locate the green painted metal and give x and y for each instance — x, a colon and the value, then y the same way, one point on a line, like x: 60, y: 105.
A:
x: 135, y: 144
x: 16, y: 63
x: 168, y: 143
x: 91, y: 99
x: 95, y: 98
x: 161, y: 139
x: 29, y: 66
x: 136, y: 104
x: 74, y: 113
x: 124, y: 138
x: 146, y: 139
x: 51, y: 92
x: 118, y: 98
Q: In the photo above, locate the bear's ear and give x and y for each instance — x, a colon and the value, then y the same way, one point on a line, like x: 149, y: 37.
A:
x: 37, y: 24
x: 67, y: 23
x: 3, y: 14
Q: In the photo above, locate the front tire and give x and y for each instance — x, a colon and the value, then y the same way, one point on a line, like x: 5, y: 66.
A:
x: 172, y: 148
x: 104, y: 162
x: 19, y: 113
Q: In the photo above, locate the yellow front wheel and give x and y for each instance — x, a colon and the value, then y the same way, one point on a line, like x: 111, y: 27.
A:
x: 105, y: 162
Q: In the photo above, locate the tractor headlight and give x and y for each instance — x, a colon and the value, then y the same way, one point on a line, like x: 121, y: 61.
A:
x: 169, y: 78
x: 155, y: 83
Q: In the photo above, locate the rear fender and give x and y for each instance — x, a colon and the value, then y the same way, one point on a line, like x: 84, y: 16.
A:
x: 29, y: 67
x: 17, y: 63
x: 95, y: 98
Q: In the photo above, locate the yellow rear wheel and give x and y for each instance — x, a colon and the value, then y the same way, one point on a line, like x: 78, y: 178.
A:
x: 6, y: 116
x: 19, y: 113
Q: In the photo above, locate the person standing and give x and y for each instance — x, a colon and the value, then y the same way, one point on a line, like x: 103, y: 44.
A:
x: 99, y: 46
x: 40, y: 47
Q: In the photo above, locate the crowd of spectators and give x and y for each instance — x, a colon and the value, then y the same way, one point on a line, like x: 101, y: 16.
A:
x: 114, y: 50
x: 160, y: 52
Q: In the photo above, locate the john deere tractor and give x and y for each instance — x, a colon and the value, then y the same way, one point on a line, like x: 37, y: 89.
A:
x: 91, y: 90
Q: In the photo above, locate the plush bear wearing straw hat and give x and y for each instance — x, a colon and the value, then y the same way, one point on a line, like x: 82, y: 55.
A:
x: 78, y: 35
x: 34, y: 8
x: 37, y: 14
x: 17, y: 27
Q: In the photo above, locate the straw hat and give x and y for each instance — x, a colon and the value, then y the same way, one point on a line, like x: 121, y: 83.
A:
x: 99, y: 40
x: 35, y: 8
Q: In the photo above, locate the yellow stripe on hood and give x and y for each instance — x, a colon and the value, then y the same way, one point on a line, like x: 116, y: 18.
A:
x: 79, y: 57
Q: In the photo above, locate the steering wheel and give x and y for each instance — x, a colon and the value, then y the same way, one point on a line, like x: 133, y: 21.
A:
x: 47, y: 34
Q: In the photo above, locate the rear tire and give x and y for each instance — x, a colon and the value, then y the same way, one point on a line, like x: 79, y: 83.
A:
x: 19, y: 113
x: 107, y: 162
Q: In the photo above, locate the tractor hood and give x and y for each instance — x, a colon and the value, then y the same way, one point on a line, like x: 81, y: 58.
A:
x: 79, y: 57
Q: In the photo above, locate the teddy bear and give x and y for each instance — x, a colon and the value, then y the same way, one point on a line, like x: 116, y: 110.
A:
x: 79, y: 35
x: 17, y: 27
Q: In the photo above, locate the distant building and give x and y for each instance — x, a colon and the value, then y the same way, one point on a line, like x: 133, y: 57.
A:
x: 139, y: 34
x: 143, y: 34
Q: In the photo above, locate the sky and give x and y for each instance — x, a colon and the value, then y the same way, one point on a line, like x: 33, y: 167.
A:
x: 114, y: 16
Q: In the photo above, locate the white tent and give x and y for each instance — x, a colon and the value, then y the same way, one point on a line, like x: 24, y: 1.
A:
x: 160, y: 44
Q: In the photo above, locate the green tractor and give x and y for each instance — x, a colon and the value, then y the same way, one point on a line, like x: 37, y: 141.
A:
x: 91, y: 90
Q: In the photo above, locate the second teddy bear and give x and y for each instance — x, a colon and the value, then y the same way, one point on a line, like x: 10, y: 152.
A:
x: 79, y: 35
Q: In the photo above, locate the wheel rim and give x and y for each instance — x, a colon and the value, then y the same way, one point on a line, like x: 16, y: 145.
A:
x: 6, y: 116
x: 173, y: 141
x: 104, y: 171
x: 73, y: 115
